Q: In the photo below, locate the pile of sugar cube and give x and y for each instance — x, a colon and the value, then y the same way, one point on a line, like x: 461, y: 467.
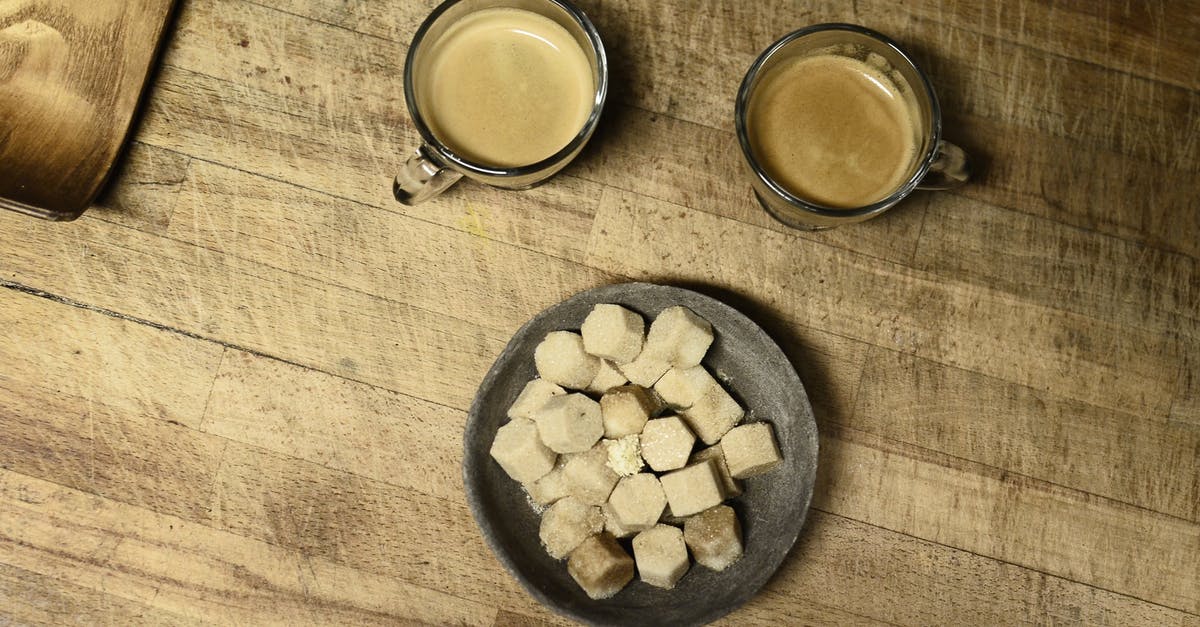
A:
x: 661, y: 449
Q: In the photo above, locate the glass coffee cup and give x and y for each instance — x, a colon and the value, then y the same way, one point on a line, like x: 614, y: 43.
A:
x: 837, y: 125
x: 505, y: 92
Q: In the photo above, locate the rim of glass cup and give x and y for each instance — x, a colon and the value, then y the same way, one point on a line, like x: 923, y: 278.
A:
x: 580, y: 138
x: 743, y: 101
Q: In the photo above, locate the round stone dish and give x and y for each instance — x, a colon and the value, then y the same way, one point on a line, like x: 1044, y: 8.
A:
x: 772, y: 509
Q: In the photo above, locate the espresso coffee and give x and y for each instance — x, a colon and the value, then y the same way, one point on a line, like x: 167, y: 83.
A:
x: 505, y: 87
x: 833, y: 130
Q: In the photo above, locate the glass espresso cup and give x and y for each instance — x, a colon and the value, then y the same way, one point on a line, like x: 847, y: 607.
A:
x: 837, y: 125
x: 505, y: 92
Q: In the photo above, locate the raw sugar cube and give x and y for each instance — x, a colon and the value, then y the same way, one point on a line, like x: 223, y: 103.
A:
x: 532, y: 397
x: 679, y: 336
x: 614, y: 333
x: 607, y: 378
x: 520, y: 452
x: 626, y: 409
x: 713, y: 414
x: 666, y: 443
x: 552, y: 486
x: 682, y: 387
x: 566, y: 523
x: 600, y: 566
x: 693, y: 489
x: 750, y: 449
x: 661, y: 555
x: 560, y: 359
x: 730, y: 486
x: 714, y: 536
x: 646, y: 369
x: 589, y: 478
x: 569, y: 423
x: 638, y: 501
x: 613, y: 525
x: 625, y: 455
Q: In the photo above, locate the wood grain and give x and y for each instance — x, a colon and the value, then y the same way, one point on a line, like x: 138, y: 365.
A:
x: 234, y: 392
x: 71, y: 74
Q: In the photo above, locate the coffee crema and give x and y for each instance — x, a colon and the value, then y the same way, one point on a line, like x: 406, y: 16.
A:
x: 832, y: 130
x: 506, y: 87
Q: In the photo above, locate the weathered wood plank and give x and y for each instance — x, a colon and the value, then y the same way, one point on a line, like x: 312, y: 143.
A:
x: 181, y: 567
x: 72, y: 349
x: 891, y: 306
x: 27, y: 598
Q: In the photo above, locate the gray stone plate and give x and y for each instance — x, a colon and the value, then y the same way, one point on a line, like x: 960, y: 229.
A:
x: 772, y: 509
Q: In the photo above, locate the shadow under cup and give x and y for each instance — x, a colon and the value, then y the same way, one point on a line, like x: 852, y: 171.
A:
x: 436, y: 166
x: 936, y: 164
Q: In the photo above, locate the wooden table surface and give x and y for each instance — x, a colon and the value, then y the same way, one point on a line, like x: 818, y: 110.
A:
x: 234, y: 391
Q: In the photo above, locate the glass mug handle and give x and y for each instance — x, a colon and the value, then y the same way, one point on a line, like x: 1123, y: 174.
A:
x: 950, y: 168
x: 422, y: 178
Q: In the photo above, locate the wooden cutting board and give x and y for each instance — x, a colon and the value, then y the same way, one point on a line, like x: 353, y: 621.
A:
x: 71, y: 75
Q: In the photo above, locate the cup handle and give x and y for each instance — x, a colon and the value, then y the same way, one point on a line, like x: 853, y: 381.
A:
x: 422, y: 178
x: 950, y: 168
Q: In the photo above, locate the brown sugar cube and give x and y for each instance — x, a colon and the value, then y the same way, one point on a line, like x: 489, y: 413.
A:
x: 552, y: 486
x: 666, y: 443
x: 646, y: 370
x: 612, y: 524
x: 560, y: 358
x: 626, y: 409
x: 589, y: 478
x: 532, y: 397
x: 679, y: 336
x: 570, y: 423
x: 566, y: 523
x: 625, y: 455
x: 607, y: 378
x: 682, y: 387
x: 661, y: 555
x: 694, y: 488
x: 750, y: 449
x: 713, y: 414
x: 600, y: 566
x: 520, y: 452
x: 715, y: 537
x: 638, y: 501
x: 731, y: 487
x: 613, y: 332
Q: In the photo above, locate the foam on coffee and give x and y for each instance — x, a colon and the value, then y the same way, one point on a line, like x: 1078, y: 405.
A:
x: 832, y: 130
x: 506, y: 87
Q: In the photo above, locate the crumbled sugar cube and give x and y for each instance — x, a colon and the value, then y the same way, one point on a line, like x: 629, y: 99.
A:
x: 612, y: 524
x: 600, y: 566
x: 679, y: 336
x: 532, y: 397
x: 520, y: 452
x: 750, y: 449
x: 626, y: 409
x: 625, y: 455
x: 607, y: 378
x: 730, y: 486
x: 560, y: 359
x: 552, y: 486
x: 713, y: 414
x: 613, y: 332
x: 693, y: 489
x: 646, y: 369
x: 715, y: 537
x: 682, y: 387
x: 570, y: 423
x: 589, y: 478
x: 566, y: 523
x: 666, y: 443
x: 638, y: 501
x: 661, y: 555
